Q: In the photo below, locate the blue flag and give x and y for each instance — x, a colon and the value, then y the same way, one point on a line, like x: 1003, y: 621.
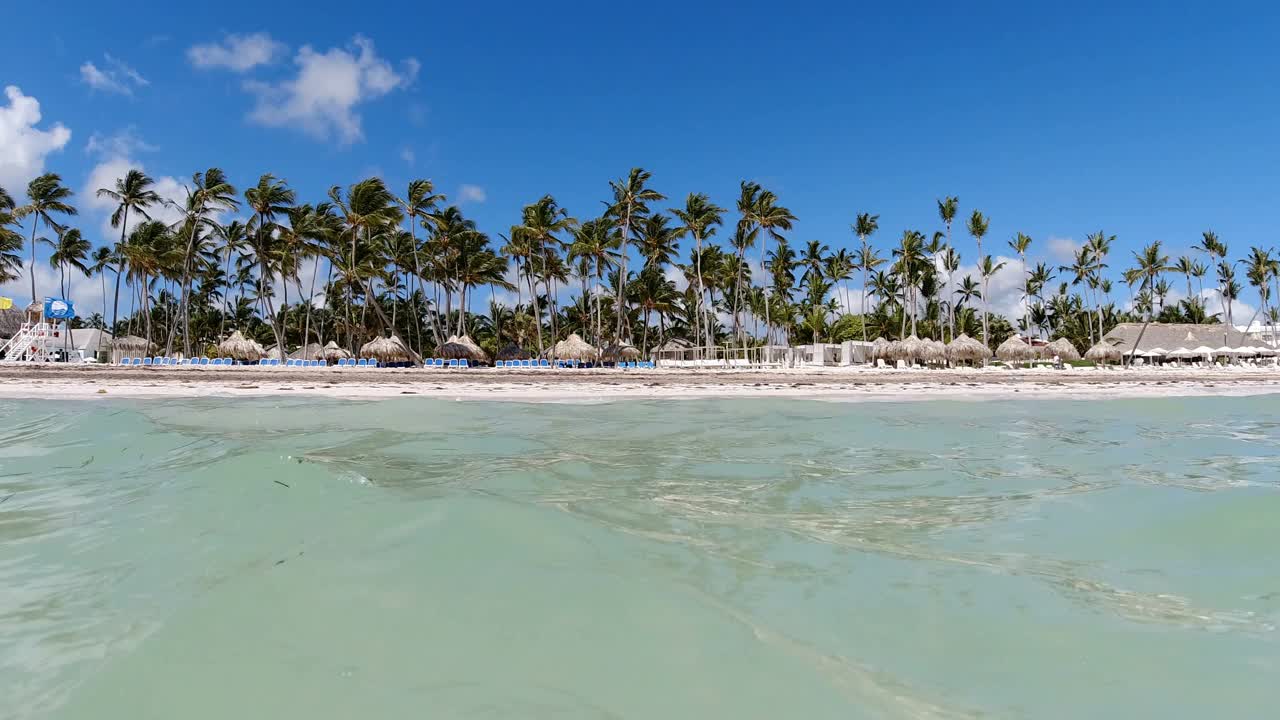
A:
x: 58, y: 309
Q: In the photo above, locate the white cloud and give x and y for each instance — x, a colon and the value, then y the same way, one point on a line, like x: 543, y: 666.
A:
x: 1004, y: 289
x: 23, y: 147
x: 407, y: 155
x: 124, y: 143
x: 118, y: 78
x: 238, y: 53
x: 117, y: 157
x: 126, y: 71
x: 1062, y: 249
x: 84, y: 292
x: 322, y: 99
x: 471, y: 194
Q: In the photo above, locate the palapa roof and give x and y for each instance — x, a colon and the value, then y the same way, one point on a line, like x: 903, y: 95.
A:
x: 879, y: 348
x: 619, y: 352
x: 572, y: 348
x: 11, y: 320
x: 132, y: 344
x: 964, y: 347
x: 240, y: 347
x: 1015, y: 349
x: 1063, y: 348
x: 333, y: 353
x: 1103, y: 351
x: 514, y: 352
x: 1172, y: 335
x: 386, y: 349
x: 310, y: 351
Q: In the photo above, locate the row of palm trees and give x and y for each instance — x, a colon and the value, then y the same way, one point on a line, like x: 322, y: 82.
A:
x: 365, y: 261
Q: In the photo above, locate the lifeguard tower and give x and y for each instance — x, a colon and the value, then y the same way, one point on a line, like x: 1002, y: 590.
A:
x: 38, y: 340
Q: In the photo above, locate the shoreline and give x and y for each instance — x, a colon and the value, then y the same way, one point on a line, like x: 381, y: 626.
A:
x: 847, y: 384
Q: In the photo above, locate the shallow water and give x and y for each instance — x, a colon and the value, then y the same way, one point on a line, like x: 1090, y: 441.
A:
x: 715, y: 558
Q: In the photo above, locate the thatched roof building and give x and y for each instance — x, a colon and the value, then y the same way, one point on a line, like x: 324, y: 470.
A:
x: 1173, y: 335
x: 240, y: 347
x: 386, y: 350
x: 1063, y: 349
x: 573, y: 348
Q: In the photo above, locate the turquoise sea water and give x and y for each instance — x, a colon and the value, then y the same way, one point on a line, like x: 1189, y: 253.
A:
x: 703, y: 559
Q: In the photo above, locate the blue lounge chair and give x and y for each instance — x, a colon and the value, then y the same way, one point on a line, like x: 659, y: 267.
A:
x: 146, y: 361
x: 544, y: 363
x: 204, y: 361
x: 372, y: 363
x: 463, y: 363
x: 499, y: 363
x: 361, y: 363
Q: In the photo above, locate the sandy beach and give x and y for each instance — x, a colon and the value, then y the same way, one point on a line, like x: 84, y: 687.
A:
x: 603, y: 385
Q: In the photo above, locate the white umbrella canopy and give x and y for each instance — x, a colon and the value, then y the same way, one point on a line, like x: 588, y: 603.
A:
x: 1224, y: 350
x: 1157, y: 352
x: 1181, y: 353
x: 1203, y: 350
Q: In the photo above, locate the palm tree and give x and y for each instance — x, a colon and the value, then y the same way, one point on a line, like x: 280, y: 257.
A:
x: 699, y: 218
x: 269, y: 198
x: 541, y: 223
x: 103, y: 260
x: 947, y: 210
x: 840, y: 270
x: 10, y: 240
x: 910, y: 254
x: 987, y: 268
x: 864, y: 227
x: 630, y: 201
x: 1186, y: 267
x: 1150, y: 264
x: 419, y: 205
x: 770, y: 219
x: 978, y: 227
x: 69, y: 250
x: 145, y: 253
x: 132, y: 193
x: 210, y: 192
x: 46, y: 195
x: 595, y: 243
x: 1019, y: 244
x: 369, y: 207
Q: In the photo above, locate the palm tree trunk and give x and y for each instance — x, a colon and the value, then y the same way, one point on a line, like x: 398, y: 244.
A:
x: 35, y: 223
x: 863, y: 301
x: 306, y: 323
x: 115, y: 306
x: 622, y: 272
x: 186, y: 281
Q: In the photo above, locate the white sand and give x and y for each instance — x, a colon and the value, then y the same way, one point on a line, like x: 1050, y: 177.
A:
x: 834, y: 384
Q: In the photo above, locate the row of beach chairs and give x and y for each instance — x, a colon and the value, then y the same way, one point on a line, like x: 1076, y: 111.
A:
x: 174, y: 362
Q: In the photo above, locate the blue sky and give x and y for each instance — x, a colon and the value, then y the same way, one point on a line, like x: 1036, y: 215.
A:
x: 1151, y: 121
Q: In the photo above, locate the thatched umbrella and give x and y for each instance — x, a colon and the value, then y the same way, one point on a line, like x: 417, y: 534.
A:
x: 310, y: 351
x: 513, y: 352
x: 333, y: 353
x: 1064, y: 349
x: 1015, y: 350
x: 240, y: 347
x: 913, y: 348
x: 386, y: 350
x: 1103, y: 352
x: 461, y: 348
x: 573, y: 348
x: 965, y: 349
x: 934, y: 351
x: 879, y: 348
x: 129, y: 346
x: 615, y: 353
